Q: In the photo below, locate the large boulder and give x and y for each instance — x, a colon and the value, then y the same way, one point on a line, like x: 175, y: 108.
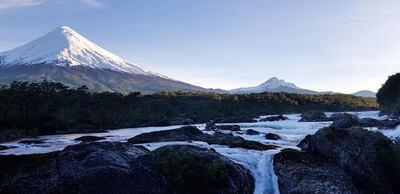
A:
x: 191, y: 133
x: 191, y: 169
x: 85, y: 168
x: 186, y: 133
x: 210, y: 126
x: 105, y: 167
x: 302, y: 172
x: 344, y: 121
x: 252, y: 132
x: 313, y: 116
x: 272, y: 136
x: 369, y: 157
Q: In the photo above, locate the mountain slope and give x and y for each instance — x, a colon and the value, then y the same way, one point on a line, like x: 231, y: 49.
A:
x: 365, y: 93
x: 274, y: 85
x: 65, y: 56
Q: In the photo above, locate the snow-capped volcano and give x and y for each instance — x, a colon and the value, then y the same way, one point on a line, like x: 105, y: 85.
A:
x: 65, y: 47
x: 65, y: 56
x: 274, y: 84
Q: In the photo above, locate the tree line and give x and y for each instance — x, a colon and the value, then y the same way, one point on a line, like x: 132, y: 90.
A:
x: 48, y: 107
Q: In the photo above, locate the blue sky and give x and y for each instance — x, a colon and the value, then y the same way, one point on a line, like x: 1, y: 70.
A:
x: 338, y: 45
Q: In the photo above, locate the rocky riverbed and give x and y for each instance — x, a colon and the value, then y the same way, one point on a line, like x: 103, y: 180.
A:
x: 246, y: 153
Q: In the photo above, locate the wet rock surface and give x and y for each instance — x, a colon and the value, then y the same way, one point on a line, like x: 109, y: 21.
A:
x: 252, y: 132
x: 302, y: 172
x: 105, y: 167
x: 314, y: 116
x: 341, y: 158
x: 190, y: 133
x: 272, y: 136
x: 89, y: 138
x: 32, y: 141
x: 274, y: 118
x: 348, y: 120
x: 211, y: 126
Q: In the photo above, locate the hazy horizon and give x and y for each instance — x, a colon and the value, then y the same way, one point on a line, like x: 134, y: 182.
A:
x: 341, y: 46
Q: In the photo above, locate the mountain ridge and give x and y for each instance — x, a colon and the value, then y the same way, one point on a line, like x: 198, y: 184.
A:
x: 65, y: 56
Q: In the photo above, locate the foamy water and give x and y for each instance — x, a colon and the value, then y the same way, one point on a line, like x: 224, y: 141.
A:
x: 260, y: 163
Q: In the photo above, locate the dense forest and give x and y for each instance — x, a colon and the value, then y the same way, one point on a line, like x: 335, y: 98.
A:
x: 49, y: 107
x: 388, y: 96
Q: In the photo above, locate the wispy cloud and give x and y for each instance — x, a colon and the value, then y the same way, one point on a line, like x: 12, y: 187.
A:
x: 94, y: 3
x: 5, y: 4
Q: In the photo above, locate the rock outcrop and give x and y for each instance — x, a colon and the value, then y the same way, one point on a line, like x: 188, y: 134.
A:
x: 344, y: 157
x: 274, y: 118
x: 313, y: 116
x: 348, y: 120
x: 89, y: 138
x: 211, y: 126
x: 190, y: 133
x: 302, y: 172
x: 105, y: 167
x: 272, y: 136
x: 252, y: 132
x: 368, y: 156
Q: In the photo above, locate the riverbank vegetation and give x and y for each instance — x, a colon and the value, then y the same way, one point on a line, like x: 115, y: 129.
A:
x: 50, y: 107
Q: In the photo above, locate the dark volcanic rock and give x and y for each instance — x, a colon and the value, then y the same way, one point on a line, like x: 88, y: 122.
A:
x: 181, y: 134
x: 274, y: 118
x: 188, y: 167
x: 272, y: 136
x: 210, y: 126
x: 337, y: 116
x: 382, y: 124
x: 89, y: 138
x: 252, y: 132
x: 32, y: 141
x: 314, y: 116
x: 190, y: 133
x: 344, y: 121
x: 3, y: 147
x: 228, y: 127
x: 302, y: 172
x: 84, y: 168
x: 370, y: 157
x: 105, y: 167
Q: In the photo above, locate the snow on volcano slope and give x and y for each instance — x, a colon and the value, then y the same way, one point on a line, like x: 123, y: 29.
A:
x: 65, y: 56
x: 65, y: 47
x: 274, y: 84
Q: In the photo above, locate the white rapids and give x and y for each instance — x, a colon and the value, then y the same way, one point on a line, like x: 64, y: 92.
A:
x: 260, y: 163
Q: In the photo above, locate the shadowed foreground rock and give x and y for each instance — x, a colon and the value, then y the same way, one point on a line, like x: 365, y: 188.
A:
x: 190, y: 133
x: 336, y: 160
x: 105, y: 167
x: 301, y: 172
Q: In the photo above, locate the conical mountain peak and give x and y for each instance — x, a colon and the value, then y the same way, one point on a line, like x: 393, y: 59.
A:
x: 65, y: 47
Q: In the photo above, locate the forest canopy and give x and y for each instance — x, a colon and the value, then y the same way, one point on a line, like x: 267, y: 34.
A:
x: 388, y: 96
x: 49, y: 107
